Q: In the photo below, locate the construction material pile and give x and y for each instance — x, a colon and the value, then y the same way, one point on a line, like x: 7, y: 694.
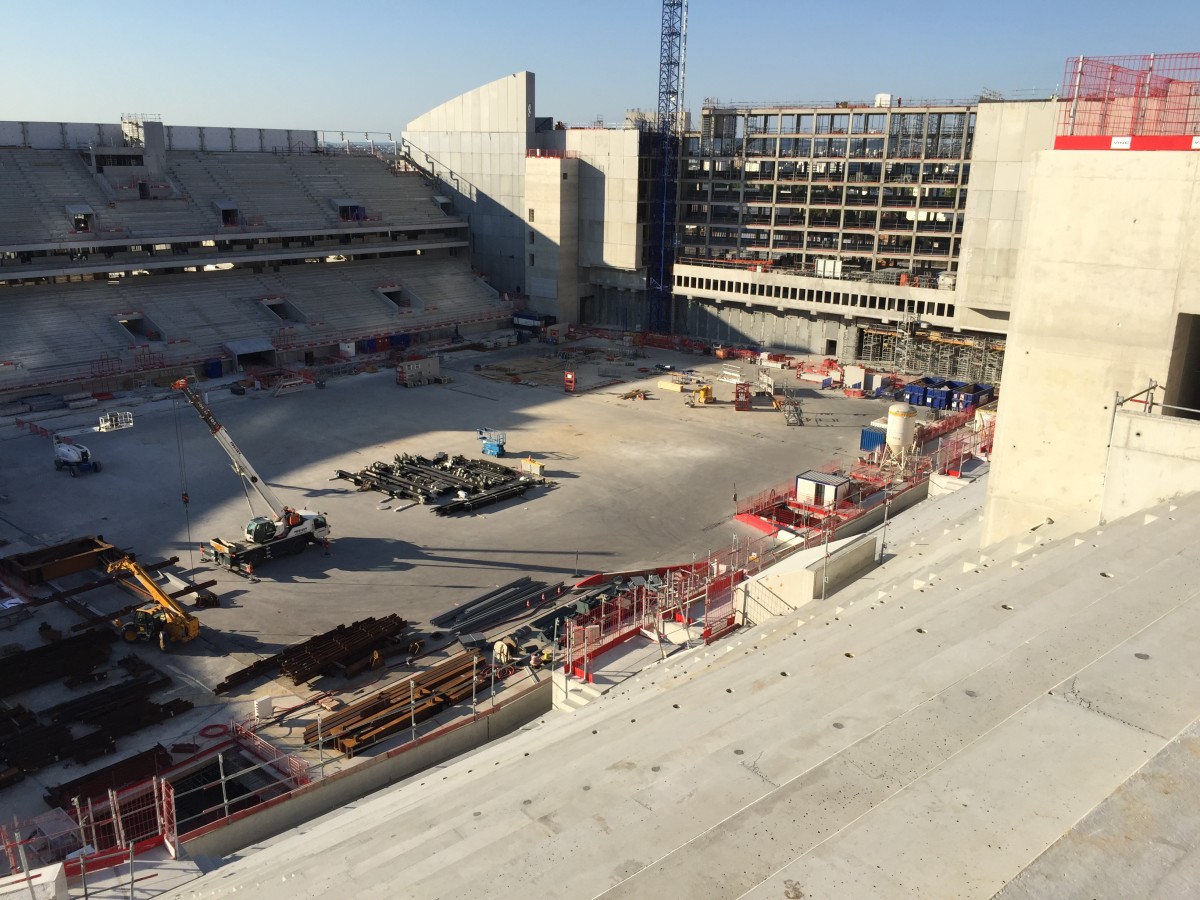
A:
x: 455, y: 484
x: 498, y: 606
x: 345, y: 646
x: 402, y: 706
x: 29, y: 741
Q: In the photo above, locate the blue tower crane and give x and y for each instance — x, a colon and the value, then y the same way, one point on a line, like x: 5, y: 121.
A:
x: 671, y: 58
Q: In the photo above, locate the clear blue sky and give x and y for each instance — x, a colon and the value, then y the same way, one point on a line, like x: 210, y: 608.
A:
x: 374, y: 65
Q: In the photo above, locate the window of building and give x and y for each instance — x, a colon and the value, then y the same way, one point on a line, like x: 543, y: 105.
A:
x: 530, y: 259
x: 531, y: 214
x: 564, y: 176
x: 531, y: 236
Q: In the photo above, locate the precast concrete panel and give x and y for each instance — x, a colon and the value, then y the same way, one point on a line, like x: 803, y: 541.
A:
x: 1003, y: 207
x: 1007, y: 175
x: 245, y: 139
x: 11, y: 134
x: 82, y: 134
x: 275, y: 139
x: 183, y: 137
x: 44, y: 135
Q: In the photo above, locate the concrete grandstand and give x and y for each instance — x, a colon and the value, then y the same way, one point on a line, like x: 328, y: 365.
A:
x: 122, y: 260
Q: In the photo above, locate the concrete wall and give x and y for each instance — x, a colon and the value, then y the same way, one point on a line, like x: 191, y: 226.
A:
x: 874, y: 302
x: 609, y: 234
x: 735, y: 323
x: 1007, y: 135
x: 799, y: 580
x: 1110, y: 258
x: 72, y: 135
x: 551, y: 272
x: 476, y: 144
x: 328, y: 794
x: 1152, y: 459
x: 45, y: 883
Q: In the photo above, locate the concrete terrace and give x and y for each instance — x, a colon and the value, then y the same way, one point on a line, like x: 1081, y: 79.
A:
x: 927, y: 732
x: 60, y: 329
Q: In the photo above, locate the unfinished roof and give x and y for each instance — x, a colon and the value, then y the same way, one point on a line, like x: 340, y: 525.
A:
x: 927, y: 732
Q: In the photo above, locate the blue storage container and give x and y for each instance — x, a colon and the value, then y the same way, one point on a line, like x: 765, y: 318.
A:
x: 873, y: 437
x: 213, y: 368
x: 401, y: 340
x: 366, y: 345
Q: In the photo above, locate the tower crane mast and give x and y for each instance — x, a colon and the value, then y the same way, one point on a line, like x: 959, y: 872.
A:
x: 671, y: 70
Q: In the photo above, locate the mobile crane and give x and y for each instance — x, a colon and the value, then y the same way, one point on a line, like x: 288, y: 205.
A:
x: 286, y: 531
x: 163, y: 620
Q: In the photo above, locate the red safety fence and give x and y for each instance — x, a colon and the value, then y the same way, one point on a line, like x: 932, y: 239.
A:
x: 1130, y: 102
x: 95, y: 834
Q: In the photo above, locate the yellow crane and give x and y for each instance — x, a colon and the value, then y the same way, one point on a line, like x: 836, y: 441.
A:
x: 163, y: 620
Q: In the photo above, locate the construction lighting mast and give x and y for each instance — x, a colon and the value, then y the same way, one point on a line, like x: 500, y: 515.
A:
x: 671, y: 56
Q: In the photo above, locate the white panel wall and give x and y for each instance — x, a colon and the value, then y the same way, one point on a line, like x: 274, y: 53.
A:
x: 11, y: 134
x: 183, y: 137
x: 44, y: 135
x: 246, y: 139
x: 80, y: 134
x: 278, y: 139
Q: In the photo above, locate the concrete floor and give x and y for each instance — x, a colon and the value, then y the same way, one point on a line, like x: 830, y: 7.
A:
x: 635, y: 483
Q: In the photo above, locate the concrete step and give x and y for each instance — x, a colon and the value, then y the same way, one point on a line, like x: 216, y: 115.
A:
x: 570, y: 694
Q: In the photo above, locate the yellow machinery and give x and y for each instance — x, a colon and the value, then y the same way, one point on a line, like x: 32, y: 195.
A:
x: 163, y: 620
x: 701, y: 395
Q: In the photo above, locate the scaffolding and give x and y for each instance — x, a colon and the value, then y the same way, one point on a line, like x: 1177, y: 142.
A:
x: 947, y: 355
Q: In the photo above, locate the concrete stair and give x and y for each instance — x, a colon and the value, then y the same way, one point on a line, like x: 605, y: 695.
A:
x: 570, y: 694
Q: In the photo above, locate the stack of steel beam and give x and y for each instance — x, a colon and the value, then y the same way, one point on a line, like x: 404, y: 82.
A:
x: 473, y: 502
x: 498, y: 606
x: 402, y: 706
x: 55, y: 661
x: 322, y: 653
x: 475, y: 483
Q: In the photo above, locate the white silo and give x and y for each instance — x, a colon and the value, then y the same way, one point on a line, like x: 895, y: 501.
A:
x: 901, y: 428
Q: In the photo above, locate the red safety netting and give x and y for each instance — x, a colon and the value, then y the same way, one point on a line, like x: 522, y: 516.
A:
x: 1152, y: 95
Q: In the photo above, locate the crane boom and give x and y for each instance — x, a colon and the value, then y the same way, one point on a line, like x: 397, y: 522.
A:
x: 241, y: 465
x: 284, y: 532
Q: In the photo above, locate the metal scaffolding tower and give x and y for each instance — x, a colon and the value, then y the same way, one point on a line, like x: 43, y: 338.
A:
x: 668, y: 125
